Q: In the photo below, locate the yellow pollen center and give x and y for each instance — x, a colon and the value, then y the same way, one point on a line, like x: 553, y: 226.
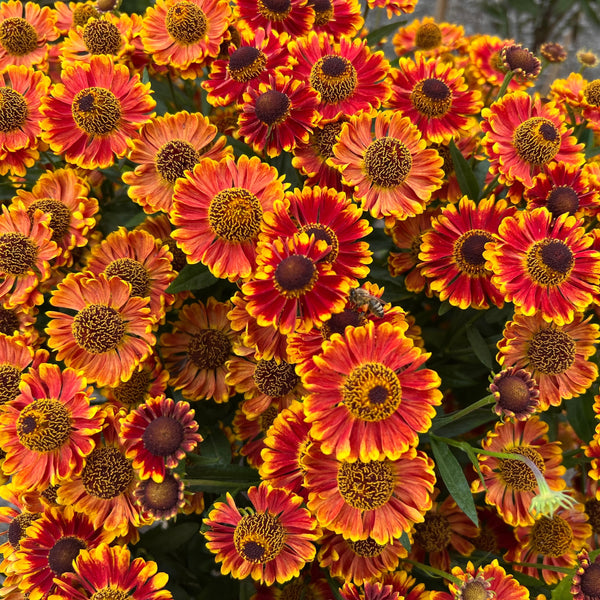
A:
x: 550, y: 262
x: 10, y: 378
x: 98, y: 328
x: 551, y: 351
x: 387, y: 162
x: 235, y: 215
x: 44, y: 425
x: 591, y: 92
x: 107, y: 473
x: 428, y: 36
x: 133, y: 391
x: 101, y: 37
x: 434, y: 533
x: 17, y: 254
x: 60, y: 215
x: 537, y: 141
x: 551, y: 536
x: 96, y: 111
x: 163, y: 496
x: 368, y: 548
x: 17, y: 36
x: 246, y: 63
x: 468, y: 252
x: 514, y: 394
x: 476, y: 589
x: 432, y: 98
x: 324, y: 137
x: 275, y: 379
x: 209, y: 349
x: 9, y: 323
x: 323, y: 11
x: 186, y: 23
x: 132, y: 272
x: 83, y: 13
x: 110, y: 593
x: 174, y: 158
x: 516, y: 474
x: 334, y: 77
x: 274, y: 10
x: 259, y: 538
x: 366, y: 485
x: 13, y: 110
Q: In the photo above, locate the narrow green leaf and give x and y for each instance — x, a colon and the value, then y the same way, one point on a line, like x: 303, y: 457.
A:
x: 192, y: 277
x: 378, y: 34
x: 480, y: 347
x: 580, y: 414
x: 444, y: 308
x: 454, y: 478
x: 563, y: 590
x: 466, y: 178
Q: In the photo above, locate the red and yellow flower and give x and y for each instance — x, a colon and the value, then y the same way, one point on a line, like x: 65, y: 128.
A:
x: 296, y: 17
x: 428, y: 37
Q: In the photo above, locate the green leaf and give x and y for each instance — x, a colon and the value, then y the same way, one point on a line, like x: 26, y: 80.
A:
x: 161, y: 541
x: 454, y: 478
x: 215, y: 448
x: 480, y: 347
x: 563, y: 590
x: 192, y: 277
x: 466, y: 178
x: 378, y: 34
x: 580, y: 414
x: 405, y: 541
x: 224, y: 478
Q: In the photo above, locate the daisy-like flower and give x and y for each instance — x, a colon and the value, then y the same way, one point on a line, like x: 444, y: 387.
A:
x: 164, y: 149
x: 21, y: 91
x: 568, y: 95
x: 516, y: 393
x: 73, y: 14
x: 26, y: 249
x: 329, y: 215
x: 435, y: 96
x: 377, y: 499
x: 553, y: 52
x: 369, y: 591
x: 138, y: 258
x: 16, y: 356
x: 104, y: 331
x: 446, y: 527
x: 520, y: 61
x: 25, y: 30
x: 552, y: 541
x: 158, y: 435
x: 585, y: 579
x: 247, y: 64
x: 347, y: 74
x: 294, y: 17
x: 510, y: 485
x: 294, y: 287
x: 452, y: 252
x: 161, y: 228
x: 196, y: 350
x: 109, y: 572
x: 368, y: 397
x: 104, y: 489
x: 53, y: 541
x: 19, y: 322
x: 161, y: 500
x: 338, y: 18
x: 270, y: 542
x: 523, y: 135
x: 564, y: 188
x: 65, y: 195
x: 428, y: 37
x: 17, y: 162
x: 556, y: 356
x: 484, y: 582
x: 185, y: 33
x: 388, y: 163
x: 359, y: 561
x: 278, y: 114
x: 94, y: 111
x: 394, y: 7
x: 218, y: 212
x: 47, y: 430
x: 544, y: 265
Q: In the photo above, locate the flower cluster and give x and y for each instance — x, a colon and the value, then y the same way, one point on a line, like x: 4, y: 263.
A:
x: 255, y: 265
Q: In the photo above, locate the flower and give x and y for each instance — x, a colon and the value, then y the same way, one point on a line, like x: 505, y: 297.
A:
x: 251, y: 430
x: 161, y: 500
x: 184, y: 34
x: 294, y: 287
x: 106, y: 332
x: 516, y: 393
x: 52, y: 542
x: 428, y: 37
x: 394, y: 7
x: 21, y: 92
x: 16, y: 355
x: 368, y: 397
x: 520, y: 61
x: 435, y: 96
x: 164, y: 149
x: 109, y: 572
x: 553, y: 52
x: 452, y: 252
x: 522, y: 136
x: 278, y: 114
x: 197, y: 348
x: 218, y: 212
x: 338, y: 18
x: 377, y: 499
x: 158, y: 435
x: 510, y: 485
x: 371, y: 591
x: 65, y: 196
x: 25, y: 30
x: 348, y: 76
x: 391, y: 169
x: 294, y: 17
x: 47, y: 430
x: 270, y: 542
x: 587, y: 58
x: 557, y: 357
x: 585, y: 579
x: 94, y: 111
x: 26, y: 249
x: 544, y: 265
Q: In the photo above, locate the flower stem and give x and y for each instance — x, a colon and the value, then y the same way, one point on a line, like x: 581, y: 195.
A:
x: 433, y: 571
x: 504, y: 85
x: 459, y: 414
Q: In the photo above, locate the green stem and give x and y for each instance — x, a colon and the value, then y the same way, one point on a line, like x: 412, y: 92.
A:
x: 490, y: 186
x: 547, y: 567
x: 459, y: 414
x: 434, y: 571
x: 504, y: 85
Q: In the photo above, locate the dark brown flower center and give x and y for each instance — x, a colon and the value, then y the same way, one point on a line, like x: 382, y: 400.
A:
x: 428, y: 36
x: 592, y: 510
x: 60, y: 215
x: 274, y: 10
x: 562, y: 199
x: 275, y: 379
x: 323, y: 11
x: 521, y: 61
x: 551, y: 351
x: 259, y: 538
x: 550, y: 262
x: 163, y: 436
x: 98, y: 328
x: 387, y: 162
x: 324, y: 137
x: 235, y: 215
x: 44, y: 425
x: 295, y: 275
x: 107, y: 473
x: 17, y: 36
x: 468, y: 252
x: 246, y: 63
x: 434, y: 533
x: 186, y: 23
x: 133, y: 272
x: 366, y: 485
x: 10, y: 378
x: 516, y: 474
x: 431, y: 97
x: 174, y: 158
x: 17, y: 254
x: 13, y: 110
x: 17, y: 527
x: 515, y: 394
x: 9, y: 324
x: 63, y: 553
x: 163, y: 496
x: 591, y: 92
x: 133, y: 391
x: 339, y: 322
x: 368, y: 548
x: 334, y: 77
x: 551, y: 536
x: 96, y: 111
x: 110, y: 593
x: 590, y: 582
x: 477, y: 589
x: 101, y: 37
x: 537, y: 141
x: 83, y: 13
x: 272, y: 107
x: 209, y: 349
